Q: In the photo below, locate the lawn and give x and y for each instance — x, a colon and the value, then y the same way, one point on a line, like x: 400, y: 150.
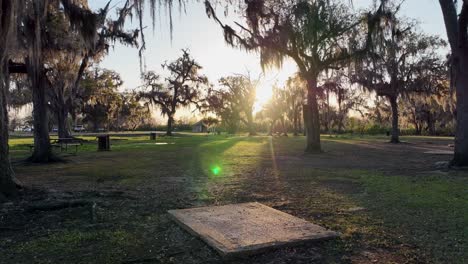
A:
x: 389, y: 202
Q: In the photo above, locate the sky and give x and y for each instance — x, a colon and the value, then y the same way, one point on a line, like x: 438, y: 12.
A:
x: 193, y: 30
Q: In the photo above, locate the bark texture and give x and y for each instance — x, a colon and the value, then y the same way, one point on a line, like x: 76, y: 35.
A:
x: 62, y: 122
x: 312, y: 117
x: 395, y: 135
x: 170, y: 122
x: 7, y: 21
x: 456, y: 27
x: 36, y: 73
x: 461, y: 135
x: 7, y: 184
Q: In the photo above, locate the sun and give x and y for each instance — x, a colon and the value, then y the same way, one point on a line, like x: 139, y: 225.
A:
x: 263, y: 94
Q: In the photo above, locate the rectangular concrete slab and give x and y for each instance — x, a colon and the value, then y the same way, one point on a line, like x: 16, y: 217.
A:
x: 439, y: 152
x: 248, y: 228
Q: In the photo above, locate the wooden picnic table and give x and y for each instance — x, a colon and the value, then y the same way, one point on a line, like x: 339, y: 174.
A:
x: 63, y: 144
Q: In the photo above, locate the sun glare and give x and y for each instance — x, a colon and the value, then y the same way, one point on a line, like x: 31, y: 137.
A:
x: 264, y: 93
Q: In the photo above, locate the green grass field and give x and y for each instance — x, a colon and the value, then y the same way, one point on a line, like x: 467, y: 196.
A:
x: 389, y: 202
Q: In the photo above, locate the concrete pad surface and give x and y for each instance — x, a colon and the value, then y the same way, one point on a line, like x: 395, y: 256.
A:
x: 440, y: 152
x: 248, y: 228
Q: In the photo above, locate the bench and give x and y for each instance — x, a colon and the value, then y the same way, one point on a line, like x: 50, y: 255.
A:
x: 63, y: 144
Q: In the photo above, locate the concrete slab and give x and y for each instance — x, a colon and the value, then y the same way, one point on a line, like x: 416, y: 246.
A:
x: 248, y: 228
x: 440, y: 152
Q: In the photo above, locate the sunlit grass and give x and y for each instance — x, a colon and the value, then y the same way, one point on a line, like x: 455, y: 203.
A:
x: 399, y: 208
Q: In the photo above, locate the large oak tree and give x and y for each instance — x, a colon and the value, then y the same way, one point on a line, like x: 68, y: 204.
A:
x: 235, y: 100
x: 182, y: 87
x: 395, y: 62
x: 314, y: 34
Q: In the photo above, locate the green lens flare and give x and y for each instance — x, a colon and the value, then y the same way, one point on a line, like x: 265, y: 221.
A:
x: 216, y: 170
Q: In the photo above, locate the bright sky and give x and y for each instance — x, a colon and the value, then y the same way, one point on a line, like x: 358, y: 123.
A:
x: 193, y: 30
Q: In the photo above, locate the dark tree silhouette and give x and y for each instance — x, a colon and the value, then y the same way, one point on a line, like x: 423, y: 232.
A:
x: 183, y: 87
x: 457, y: 32
x: 8, y: 20
x: 241, y: 92
x: 276, y: 110
x: 295, y: 95
x: 101, y: 99
x: 220, y: 103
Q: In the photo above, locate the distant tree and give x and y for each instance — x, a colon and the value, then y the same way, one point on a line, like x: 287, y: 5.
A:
x: 219, y: 102
x: 338, y: 97
x: 182, y: 89
x: 241, y: 92
x: 347, y: 100
x: 276, y: 110
x: 210, y: 121
x: 132, y: 114
x: 19, y: 93
x: 326, y: 110
x: 295, y: 95
x: 380, y: 113
x: 457, y: 26
x: 102, y: 100
x: 398, y: 52
x: 431, y: 110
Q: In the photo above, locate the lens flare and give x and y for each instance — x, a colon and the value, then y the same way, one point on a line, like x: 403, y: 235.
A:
x: 216, y: 170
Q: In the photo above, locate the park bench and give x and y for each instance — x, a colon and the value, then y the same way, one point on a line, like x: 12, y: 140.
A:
x: 63, y: 144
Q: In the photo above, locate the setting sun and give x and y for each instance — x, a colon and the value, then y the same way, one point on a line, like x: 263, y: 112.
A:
x: 263, y: 94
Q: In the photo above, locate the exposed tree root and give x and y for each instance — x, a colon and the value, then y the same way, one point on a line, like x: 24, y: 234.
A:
x: 50, y: 159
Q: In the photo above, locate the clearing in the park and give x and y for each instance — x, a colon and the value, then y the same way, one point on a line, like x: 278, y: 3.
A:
x: 247, y: 228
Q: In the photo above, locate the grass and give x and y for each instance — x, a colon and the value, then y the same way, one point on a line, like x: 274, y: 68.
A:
x: 431, y: 212
x: 66, y: 243
x: 410, y: 212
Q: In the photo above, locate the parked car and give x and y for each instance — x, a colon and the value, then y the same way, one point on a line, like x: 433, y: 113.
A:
x: 79, y: 128
x: 28, y: 129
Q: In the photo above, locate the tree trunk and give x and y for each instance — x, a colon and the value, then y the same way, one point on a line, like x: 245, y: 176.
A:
x: 340, y: 124
x: 418, y: 128
x: 170, y: 121
x: 7, y: 23
x: 455, y: 26
x: 270, y: 133
x: 284, y: 128
x: 461, y: 135
x: 42, y: 151
x: 395, y: 129
x: 305, y: 111
x: 328, y: 126
x: 312, y: 116
x: 431, y: 124
x: 251, y: 124
x: 7, y: 184
x: 36, y: 73
x: 296, y: 120
x: 63, y: 128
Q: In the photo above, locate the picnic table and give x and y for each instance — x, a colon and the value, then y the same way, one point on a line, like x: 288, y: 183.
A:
x: 63, y: 144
